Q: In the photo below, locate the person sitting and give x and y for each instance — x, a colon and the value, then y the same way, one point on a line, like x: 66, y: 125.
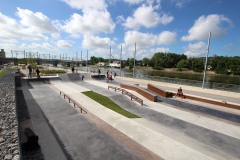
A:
x: 180, y: 93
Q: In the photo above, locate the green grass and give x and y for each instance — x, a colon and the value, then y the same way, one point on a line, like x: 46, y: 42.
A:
x: 105, y: 101
x: 2, y: 71
x: 52, y: 71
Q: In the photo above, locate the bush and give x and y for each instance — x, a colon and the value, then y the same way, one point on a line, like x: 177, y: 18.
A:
x: 52, y: 71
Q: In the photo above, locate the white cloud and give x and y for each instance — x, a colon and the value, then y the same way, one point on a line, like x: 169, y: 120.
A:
x: 180, y: 3
x: 64, y: 44
x: 10, y: 29
x: 96, y: 42
x: 148, y: 40
x: 164, y: 50
x: 37, y: 22
x: 32, y: 47
x: 216, y: 24
x: 196, y: 49
x: 142, y: 39
x: 133, y: 1
x: 89, y: 24
x: 94, y: 18
x: 146, y: 16
x: 166, y: 37
x: 87, y: 4
x: 156, y: 3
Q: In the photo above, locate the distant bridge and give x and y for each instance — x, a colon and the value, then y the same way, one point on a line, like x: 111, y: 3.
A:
x: 40, y: 61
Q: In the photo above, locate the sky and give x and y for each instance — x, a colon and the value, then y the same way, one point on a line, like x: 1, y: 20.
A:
x: 72, y: 28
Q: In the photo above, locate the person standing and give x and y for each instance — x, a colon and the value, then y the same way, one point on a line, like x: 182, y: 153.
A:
x: 29, y: 71
x: 38, y: 73
x: 73, y: 69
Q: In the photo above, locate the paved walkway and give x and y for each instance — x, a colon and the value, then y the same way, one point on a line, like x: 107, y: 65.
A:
x: 170, y: 133
x: 184, y: 124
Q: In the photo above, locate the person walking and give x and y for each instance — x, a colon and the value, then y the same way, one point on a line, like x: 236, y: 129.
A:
x: 29, y: 71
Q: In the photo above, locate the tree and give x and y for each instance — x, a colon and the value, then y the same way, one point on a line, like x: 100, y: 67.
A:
x: 159, y: 64
x: 197, y: 65
x: 146, y: 61
x: 93, y: 60
x: 170, y: 60
x: 182, y: 64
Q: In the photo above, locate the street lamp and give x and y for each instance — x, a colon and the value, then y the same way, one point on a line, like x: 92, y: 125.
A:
x: 205, y: 66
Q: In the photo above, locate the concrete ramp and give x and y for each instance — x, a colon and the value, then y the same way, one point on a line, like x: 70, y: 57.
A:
x: 70, y: 77
x: 74, y: 76
x: 81, y: 138
x: 64, y: 77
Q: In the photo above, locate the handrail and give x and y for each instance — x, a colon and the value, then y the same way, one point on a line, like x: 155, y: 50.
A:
x: 74, y: 102
x: 133, y: 97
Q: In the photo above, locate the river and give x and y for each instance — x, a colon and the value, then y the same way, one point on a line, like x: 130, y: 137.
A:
x: 227, y: 79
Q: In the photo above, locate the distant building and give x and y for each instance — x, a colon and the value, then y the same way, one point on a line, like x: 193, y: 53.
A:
x: 115, y: 64
x: 2, y: 54
x: 101, y: 64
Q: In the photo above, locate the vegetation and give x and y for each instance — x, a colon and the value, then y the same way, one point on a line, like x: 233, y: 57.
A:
x: 2, y: 72
x: 52, y: 71
x: 105, y: 101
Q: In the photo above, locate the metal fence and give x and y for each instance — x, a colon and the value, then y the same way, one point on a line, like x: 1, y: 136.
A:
x: 195, y: 83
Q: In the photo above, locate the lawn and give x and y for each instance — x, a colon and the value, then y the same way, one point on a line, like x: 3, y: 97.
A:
x: 52, y: 71
x: 2, y: 71
x: 105, y: 101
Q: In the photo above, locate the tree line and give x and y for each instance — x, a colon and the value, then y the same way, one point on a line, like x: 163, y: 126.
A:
x: 160, y: 60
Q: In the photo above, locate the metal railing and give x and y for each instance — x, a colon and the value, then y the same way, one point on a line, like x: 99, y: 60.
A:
x: 74, y: 102
x: 195, y: 83
x: 133, y: 97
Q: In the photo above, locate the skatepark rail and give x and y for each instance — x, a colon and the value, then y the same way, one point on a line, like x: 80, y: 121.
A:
x: 133, y: 97
x: 74, y: 102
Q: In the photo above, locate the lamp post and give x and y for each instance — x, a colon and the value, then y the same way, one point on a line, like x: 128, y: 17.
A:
x: 205, y: 66
x: 134, y: 60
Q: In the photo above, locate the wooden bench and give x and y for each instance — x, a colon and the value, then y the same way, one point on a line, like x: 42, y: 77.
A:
x: 144, y: 93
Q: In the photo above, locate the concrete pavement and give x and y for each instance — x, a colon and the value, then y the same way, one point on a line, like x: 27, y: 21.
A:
x: 168, y: 132
x: 213, y: 129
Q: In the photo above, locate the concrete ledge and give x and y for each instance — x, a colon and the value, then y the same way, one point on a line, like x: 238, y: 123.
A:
x: 195, y: 98
x: 144, y: 93
x: 98, y: 76
x: 160, y: 92
x: 220, y: 103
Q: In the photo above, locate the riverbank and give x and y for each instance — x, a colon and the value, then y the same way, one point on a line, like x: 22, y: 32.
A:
x: 211, y: 76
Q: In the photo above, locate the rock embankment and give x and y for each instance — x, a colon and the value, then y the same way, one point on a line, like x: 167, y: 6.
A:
x: 9, y: 145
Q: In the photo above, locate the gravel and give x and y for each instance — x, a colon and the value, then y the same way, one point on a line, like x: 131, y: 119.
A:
x: 9, y: 145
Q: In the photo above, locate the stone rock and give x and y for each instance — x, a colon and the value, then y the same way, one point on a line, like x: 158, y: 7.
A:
x: 1, y: 140
x: 16, y: 157
x: 8, y: 157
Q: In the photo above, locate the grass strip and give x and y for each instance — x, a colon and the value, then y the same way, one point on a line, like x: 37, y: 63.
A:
x: 52, y: 71
x: 105, y: 101
x: 2, y: 71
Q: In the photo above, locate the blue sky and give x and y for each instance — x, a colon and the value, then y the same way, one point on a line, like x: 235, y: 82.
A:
x: 67, y: 27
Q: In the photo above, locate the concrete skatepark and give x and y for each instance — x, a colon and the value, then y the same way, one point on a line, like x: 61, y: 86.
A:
x: 168, y: 129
